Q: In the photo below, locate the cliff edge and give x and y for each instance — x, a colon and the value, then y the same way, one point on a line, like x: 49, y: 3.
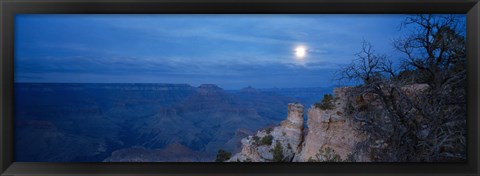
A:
x: 288, y: 136
x: 331, y: 136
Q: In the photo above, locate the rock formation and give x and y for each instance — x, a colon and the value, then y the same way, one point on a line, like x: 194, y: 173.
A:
x: 329, y: 128
x: 289, y: 134
x: 77, y: 122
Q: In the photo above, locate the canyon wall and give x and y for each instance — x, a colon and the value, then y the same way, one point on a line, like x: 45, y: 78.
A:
x: 289, y: 135
x: 334, y: 129
x: 330, y: 131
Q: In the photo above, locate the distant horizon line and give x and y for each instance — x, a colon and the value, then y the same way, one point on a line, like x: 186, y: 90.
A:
x: 177, y: 84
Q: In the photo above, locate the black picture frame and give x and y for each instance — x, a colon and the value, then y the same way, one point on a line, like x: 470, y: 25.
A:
x: 9, y: 8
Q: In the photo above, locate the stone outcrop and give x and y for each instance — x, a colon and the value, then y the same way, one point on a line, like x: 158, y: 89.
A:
x: 329, y: 128
x: 289, y: 135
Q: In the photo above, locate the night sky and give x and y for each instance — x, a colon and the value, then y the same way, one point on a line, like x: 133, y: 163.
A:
x: 232, y: 51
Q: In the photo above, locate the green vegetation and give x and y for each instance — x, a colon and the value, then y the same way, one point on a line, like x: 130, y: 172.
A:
x: 278, y: 153
x: 267, y: 140
x: 223, y: 155
x: 256, y: 140
x: 326, y: 155
x: 326, y: 103
x: 269, y: 130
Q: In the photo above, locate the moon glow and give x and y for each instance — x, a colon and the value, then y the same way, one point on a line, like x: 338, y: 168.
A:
x: 300, y: 52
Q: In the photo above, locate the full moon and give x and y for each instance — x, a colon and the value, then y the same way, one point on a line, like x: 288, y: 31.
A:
x: 300, y: 52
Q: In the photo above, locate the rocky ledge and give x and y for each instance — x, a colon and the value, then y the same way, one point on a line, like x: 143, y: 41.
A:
x: 289, y: 135
x: 330, y: 134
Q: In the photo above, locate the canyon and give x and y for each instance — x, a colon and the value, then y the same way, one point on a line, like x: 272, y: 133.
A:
x: 94, y: 122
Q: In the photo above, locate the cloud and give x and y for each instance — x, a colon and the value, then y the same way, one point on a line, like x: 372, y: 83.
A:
x: 163, y: 69
x: 223, y: 49
x: 318, y: 51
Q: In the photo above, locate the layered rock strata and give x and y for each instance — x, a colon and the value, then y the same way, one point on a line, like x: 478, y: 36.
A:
x: 327, y: 128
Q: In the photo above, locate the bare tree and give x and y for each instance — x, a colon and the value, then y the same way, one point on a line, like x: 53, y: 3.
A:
x: 437, y: 50
x: 421, y: 114
x: 368, y: 67
x: 435, y: 46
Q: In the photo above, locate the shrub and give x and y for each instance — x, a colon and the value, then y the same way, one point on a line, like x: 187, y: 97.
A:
x: 363, y: 108
x: 269, y: 130
x: 350, y: 158
x: 349, y: 109
x: 278, y: 153
x: 267, y: 140
x: 326, y: 155
x: 362, y: 104
x: 359, y: 99
x: 223, y: 155
x: 256, y: 140
x: 326, y: 103
x: 405, y: 113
